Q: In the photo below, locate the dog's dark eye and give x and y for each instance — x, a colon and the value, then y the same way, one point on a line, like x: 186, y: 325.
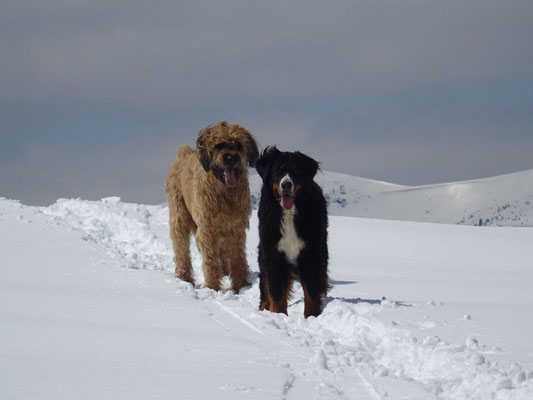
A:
x: 220, y: 146
x: 281, y: 168
x: 238, y: 146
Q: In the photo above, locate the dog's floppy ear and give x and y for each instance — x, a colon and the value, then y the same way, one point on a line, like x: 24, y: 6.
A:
x: 263, y: 163
x: 310, y: 166
x: 252, y: 151
x: 202, y: 147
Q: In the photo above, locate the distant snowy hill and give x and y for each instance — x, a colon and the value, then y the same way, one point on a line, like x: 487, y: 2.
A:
x: 505, y: 200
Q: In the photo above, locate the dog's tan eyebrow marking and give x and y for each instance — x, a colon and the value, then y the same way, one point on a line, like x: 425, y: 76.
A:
x: 275, y: 188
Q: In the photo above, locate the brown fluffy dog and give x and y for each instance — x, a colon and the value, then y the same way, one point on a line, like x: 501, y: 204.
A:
x: 209, y: 196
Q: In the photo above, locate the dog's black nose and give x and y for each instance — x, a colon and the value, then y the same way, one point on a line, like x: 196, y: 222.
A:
x: 231, y: 160
x: 287, y: 185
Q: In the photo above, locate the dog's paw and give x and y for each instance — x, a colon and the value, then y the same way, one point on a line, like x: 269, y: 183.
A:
x: 212, y: 286
x: 237, y: 286
x: 186, y: 278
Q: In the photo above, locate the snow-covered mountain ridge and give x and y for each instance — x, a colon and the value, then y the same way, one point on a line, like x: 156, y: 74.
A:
x: 505, y: 200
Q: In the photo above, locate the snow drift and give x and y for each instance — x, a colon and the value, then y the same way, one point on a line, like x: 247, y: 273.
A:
x: 419, y: 311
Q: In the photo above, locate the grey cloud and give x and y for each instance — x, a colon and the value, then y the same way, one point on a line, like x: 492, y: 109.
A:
x: 95, y: 96
x: 180, y: 52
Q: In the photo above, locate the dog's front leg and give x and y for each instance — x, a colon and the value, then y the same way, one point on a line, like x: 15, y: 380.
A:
x: 314, y: 280
x: 312, y: 303
x: 210, y: 259
x: 238, y: 265
x: 279, y: 282
x: 264, y: 291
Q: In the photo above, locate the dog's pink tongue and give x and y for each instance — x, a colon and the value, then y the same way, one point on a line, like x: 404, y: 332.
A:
x: 230, y: 178
x: 287, y: 202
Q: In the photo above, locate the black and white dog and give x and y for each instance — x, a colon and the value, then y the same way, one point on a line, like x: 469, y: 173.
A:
x: 293, y: 222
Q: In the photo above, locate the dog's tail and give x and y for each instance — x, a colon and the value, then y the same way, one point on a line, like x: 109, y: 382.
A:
x: 183, y: 150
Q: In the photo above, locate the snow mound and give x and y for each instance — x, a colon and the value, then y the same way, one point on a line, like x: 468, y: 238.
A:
x: 121, y: 228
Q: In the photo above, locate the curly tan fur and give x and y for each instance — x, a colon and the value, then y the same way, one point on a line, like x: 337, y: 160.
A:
x: 203, y: 204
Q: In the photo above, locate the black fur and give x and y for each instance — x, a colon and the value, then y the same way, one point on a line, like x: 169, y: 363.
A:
x: 311, y: 222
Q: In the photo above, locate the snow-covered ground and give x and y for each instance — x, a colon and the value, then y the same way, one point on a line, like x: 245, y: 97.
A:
x: 505, y: 200
x: 89, y: 309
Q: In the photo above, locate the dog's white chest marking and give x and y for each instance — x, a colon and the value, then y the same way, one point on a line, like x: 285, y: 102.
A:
x: 290, y: 243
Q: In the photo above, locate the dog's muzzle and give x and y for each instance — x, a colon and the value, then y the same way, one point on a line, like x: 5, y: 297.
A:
x: 287, y: 192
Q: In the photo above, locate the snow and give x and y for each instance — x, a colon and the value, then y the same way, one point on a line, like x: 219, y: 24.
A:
x: 505, y: 200
x: 89, y: 308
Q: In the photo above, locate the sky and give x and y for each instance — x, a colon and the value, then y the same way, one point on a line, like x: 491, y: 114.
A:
x: 95, y: 96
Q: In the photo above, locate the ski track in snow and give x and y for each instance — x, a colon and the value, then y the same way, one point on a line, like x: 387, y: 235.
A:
x: 348, y: 346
